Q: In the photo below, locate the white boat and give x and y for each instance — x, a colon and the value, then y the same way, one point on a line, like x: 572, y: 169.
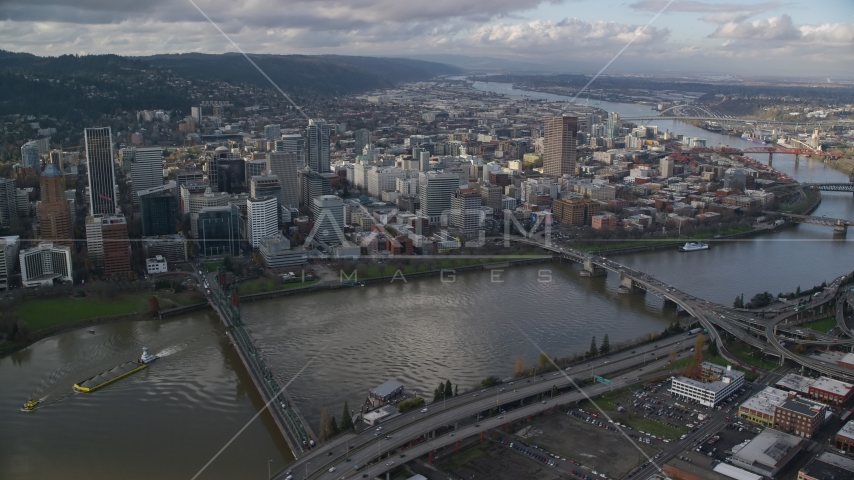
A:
x: 694, y: 246
x: 147, y: 357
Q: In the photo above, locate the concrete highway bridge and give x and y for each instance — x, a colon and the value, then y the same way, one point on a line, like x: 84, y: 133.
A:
x: 710, y: 118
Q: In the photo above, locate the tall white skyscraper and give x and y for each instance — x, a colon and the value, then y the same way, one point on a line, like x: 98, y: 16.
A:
x: 262, y: 219
x: 101, y: 171
x: 146, y: 169
x: 436, y: 189
x: 30, y: 156
x: 285, y: 166
x: 318, y: 145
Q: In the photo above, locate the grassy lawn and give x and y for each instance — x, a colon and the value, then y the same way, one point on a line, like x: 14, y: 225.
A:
x: 748, y: 354
x: 211, y: 266
x: 650, y: 426
x: 821, y: 326
x: 44, y: 313
x: 49, y: 312
x: 262, y: 285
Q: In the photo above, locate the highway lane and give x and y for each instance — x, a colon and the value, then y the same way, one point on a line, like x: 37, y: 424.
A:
x: 378, y: 443
x: 465, y: 406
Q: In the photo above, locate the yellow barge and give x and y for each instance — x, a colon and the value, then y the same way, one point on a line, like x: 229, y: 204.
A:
x: 110, y: 376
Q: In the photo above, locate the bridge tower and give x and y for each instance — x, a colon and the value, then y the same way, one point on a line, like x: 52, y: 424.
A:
x: 592, y: 270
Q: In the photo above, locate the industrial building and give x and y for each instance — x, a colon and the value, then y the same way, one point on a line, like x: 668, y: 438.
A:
x: 768, y: 452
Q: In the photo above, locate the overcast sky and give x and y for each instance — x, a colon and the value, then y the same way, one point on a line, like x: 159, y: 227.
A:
x: 780, y: 37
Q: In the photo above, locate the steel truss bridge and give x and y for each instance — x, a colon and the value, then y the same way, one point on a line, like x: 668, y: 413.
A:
x: 845, y: 123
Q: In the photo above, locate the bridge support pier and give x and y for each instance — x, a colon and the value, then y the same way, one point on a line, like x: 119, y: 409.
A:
x: 592, y: 270
x: 797, y: 158
x: 770, y: 158
x: 627, y: 285
x: 840, y: 230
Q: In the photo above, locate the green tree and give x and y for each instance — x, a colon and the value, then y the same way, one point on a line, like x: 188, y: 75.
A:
x: 226, y: 263
x: 437, y: 393
x: 606, y: 346
x: 333, y: 426
x: 519, y: 369
x: 449, y: 389
x: 593, y: 350
x: 542, y: 361
x: 346, y: 419
x: 490, y: 381
x: 739, y: 301
x: 713, y: 348
x: 456, y: 391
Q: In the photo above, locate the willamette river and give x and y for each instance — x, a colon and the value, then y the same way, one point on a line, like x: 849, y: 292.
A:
x: 170, y: 419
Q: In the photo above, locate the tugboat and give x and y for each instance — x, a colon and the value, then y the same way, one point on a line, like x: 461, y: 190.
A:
x: 694, y: 246
x: 30, y: 405
x: 147, y: 357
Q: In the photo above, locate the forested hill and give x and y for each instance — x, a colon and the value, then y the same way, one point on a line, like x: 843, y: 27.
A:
x: 86, y: 87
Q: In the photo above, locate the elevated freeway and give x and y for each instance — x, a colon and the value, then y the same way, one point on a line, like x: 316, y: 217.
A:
x: 446, y: 423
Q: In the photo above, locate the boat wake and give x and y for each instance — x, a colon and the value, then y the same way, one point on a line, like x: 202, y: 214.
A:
x: 170, y: 350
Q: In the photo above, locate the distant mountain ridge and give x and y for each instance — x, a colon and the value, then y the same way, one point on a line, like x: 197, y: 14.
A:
x: 81, y: 89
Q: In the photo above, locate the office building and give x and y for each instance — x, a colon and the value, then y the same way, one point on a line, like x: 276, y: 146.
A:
x: 262, y: 219
x: 799, y: 416
x: 186, y: 177
x: 272, y: 132
x: 466, y: 212
x: 328, y: 212
x: 491, y: 196
x: 171, y: 247
x: 30, y: 156
x: 46, y: 263
x: 266, y: 186
x: 8, y: 201
x: 146, y: 169
x: 156, y: 264
x: 219, y: 231
x: 383, y: 179
x: 276, y: 252
x: 735, y: 179
x: 101, y: 171
x: 435, y: 191
x: 108, y: 244
x: 255, y: 167
x: 317, y: 145
x: 312, y: 185
x: 226, y: 171
x: 559, y: 145
x: 158, y: 208
x: 577, y: 211
x: 665, y: 167
x: 362, y: 139
x: 285, y: 166
x: 8, y: 257
x: 714, y: 385
x: 193, y: 203
x: 53, y: 210
x: 293, y: 143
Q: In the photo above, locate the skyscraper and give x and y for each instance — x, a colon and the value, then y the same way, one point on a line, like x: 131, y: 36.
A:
x: 8, y: 201
x: 559, y: 145
x: 101, y: 171
x: 262, y: 219
x: 272, y: 132
x: 318, y: 145
x: 146, y: 170
x: 466, y: 211
x: 108, y: 244
x: 436, y: 189
x: 612, y: 125
x: 54, y: 214
x: 219, y: 230
x: 293, y: 143
x: 30, y: 156
x: 363, y: 139
x: 312, y: 185
x: 158, y: 211
x: 285, y: 166
x: 266, y: 186
x: 328, y: 213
